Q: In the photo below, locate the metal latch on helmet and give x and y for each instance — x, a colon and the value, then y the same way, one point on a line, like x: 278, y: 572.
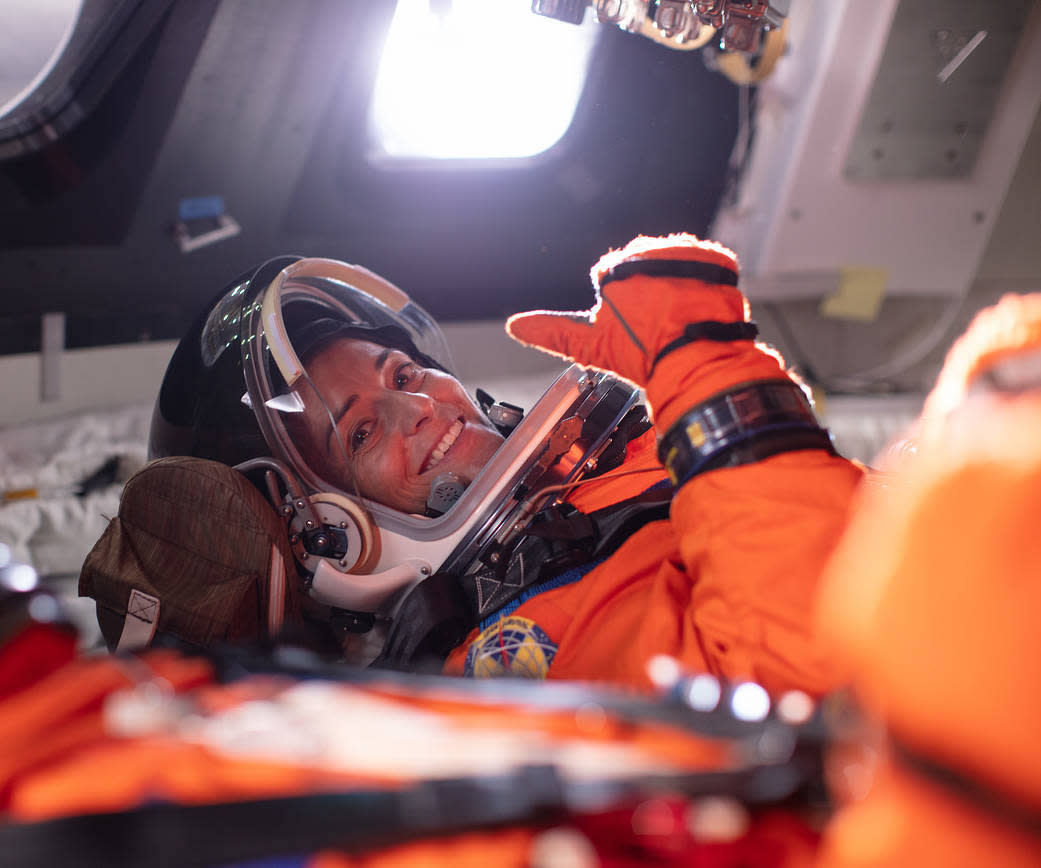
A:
x: 561, y: 439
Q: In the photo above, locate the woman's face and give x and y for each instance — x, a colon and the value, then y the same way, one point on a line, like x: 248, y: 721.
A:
x: 396, y: 426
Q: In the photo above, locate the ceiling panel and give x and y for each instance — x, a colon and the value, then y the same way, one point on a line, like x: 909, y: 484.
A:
x: 264, y: 103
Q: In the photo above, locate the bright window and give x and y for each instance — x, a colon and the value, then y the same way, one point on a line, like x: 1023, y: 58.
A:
x: 477, y: 79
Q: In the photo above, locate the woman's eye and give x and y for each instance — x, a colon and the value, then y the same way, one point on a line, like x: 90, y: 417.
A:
x: 406, y: 375
x: 358, y: 438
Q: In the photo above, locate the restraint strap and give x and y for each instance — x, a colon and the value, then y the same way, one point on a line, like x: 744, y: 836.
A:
x: 287, y: 828
x: 968, y: 787
x: 439, y: 613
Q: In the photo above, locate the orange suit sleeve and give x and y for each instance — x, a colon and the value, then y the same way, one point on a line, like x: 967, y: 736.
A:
x: 753, y: 538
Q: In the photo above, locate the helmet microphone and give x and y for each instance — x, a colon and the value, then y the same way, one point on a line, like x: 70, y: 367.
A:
x: 446, y: 489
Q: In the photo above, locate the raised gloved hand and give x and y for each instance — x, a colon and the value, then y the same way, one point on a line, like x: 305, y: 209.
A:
x: 668, y: 316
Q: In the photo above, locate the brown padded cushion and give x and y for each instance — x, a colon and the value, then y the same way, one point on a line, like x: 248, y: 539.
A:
x: 197, y: 535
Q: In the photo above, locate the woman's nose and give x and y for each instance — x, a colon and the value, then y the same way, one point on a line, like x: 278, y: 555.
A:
x: 413, y: 410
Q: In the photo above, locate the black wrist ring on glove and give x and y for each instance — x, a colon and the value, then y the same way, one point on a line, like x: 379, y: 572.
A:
x: 739, y: 426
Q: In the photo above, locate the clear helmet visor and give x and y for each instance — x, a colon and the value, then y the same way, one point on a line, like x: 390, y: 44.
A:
x: 260, y: 376
x: 305, y: 306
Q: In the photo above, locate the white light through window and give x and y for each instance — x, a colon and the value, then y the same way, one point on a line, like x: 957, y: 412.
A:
x: 483, y: 79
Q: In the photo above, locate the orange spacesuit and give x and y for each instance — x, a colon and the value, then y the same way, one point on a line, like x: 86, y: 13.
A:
x: 726, y: 583
x: 930, y: 604
x: 995, y: 358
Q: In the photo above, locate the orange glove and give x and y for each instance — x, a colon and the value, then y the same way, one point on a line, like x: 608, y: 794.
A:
x: 668, y: 317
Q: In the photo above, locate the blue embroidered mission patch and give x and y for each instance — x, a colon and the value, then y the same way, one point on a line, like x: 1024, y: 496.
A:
x: 511, y: 646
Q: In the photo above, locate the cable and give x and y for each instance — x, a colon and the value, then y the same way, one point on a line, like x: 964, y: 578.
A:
x: 899, y: 364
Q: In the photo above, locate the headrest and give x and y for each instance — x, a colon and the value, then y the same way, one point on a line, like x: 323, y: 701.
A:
x: 196, y: 551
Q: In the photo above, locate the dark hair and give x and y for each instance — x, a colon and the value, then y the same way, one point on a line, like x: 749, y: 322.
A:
x: 310, y: 337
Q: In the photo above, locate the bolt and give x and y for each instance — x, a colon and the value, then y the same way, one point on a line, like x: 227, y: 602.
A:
x: 424, y: 571
x: 304, y: 556
x: 300, y: 504
x: 309, y: 524
x: 321, y: 541
x: 294, y: 539
x: 343, y: 524
x: 494, y: 557
x: 591, y: 464
x: 343, y: 563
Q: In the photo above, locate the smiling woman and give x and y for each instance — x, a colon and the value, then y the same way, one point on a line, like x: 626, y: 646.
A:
x: 574, y: 542
x: 332, y: 391
x: 383, y: 425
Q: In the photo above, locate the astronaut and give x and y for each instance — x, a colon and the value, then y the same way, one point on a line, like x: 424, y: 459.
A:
x: 930, y: 606
x: 993, y: 367
x: 581, y: 541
